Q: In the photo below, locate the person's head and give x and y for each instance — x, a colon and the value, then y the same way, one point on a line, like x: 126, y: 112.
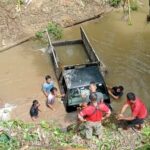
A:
x: 93, y: 97
x: 120, y: 88
x: 92, y: 87
x: 131, y: 97
x: 54, y: 91
x: 48, y: 78
x: 35, y: 103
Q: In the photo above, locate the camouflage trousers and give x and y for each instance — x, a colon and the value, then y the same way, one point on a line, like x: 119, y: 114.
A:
x: 92, y: 128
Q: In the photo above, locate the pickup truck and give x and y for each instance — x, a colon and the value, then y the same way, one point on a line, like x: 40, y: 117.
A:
x: 74, y: 80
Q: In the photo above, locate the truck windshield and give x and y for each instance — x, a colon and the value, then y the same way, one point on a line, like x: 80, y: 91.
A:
x: 77, y: 92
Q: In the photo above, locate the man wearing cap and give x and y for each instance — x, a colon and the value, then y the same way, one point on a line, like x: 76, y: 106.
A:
x: 93, y: 116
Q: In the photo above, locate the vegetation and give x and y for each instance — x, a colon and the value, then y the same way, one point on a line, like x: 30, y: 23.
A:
x: 114, y: 3
x: 134, y: 5
x: 53, y: 29
x: 17, y: 134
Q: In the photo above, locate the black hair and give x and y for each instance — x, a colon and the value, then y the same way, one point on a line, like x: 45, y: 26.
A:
x: 131, y: 96
x: 47, y: 77
x: 93, y: 82
x: 121, y: 87
x: 35, y: 102
x: 53, y: 89
x: 93, y: 96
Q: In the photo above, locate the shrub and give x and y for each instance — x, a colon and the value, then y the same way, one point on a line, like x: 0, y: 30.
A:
x: 54, y: 30
x: 114, y: 3
x: 134, y: 5
x: 39, y: 34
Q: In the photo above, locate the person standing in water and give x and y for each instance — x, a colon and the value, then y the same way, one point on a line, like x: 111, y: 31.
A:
x: 34, y: 110
x: 47, y: 86
x: 115, y: 92
x: 52, y: 97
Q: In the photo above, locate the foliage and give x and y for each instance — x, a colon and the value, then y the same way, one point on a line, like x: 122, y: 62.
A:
x: 39, y: 34
x: 21, y: 2
x: 114, y: 3
x: 134, y: 5
x: 17, y: 134
x: 53, y: 29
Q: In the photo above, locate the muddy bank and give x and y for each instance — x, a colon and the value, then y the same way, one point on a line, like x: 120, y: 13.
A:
x: 16, y: 25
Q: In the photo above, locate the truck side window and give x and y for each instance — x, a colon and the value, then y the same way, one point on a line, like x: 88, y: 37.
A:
x: 74, y: 92
x: 64, y: 86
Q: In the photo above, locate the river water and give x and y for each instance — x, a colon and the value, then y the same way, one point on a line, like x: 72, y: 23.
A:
x: 124, y: 49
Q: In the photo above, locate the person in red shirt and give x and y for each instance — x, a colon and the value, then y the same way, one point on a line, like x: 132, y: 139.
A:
x: 93, y: 115
x: 138, y: 109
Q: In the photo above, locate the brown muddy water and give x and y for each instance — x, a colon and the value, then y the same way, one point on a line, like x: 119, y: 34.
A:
x: 124, y: 49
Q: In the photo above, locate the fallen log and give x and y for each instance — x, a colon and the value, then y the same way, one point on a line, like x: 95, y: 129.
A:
x: 86, y: 20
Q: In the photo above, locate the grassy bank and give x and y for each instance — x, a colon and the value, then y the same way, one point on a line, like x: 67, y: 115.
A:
x: 19, y: 135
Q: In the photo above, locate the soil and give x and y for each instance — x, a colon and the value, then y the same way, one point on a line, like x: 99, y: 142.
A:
x: 18, y: 24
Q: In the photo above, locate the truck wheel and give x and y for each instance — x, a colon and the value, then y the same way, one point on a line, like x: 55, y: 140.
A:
x: 69, y: 108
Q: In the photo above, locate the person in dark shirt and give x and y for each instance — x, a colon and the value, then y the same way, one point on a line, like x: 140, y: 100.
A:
x: 34, y: 110
x: 115, y: 92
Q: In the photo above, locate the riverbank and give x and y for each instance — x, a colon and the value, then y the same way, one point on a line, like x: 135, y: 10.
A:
x: 19, y: 24
x: 19, y: 135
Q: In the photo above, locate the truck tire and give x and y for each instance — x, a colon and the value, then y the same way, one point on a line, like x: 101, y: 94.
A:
x: 69, y: 108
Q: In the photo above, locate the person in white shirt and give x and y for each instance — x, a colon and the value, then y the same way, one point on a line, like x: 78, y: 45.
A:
x: 52, y: 96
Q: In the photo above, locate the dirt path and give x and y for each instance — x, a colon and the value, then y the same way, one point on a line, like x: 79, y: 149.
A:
x: 16, y: 25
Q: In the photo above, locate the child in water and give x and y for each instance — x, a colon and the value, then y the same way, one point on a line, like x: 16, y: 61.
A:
x: 34, y: 110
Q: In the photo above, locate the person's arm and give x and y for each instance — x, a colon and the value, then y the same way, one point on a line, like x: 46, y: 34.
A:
x: 113, y: 96
x: 44, y: 91
x: 120, y: 116
x: 126, y: 118
x: 134, y: 113
x: 125, y: 106
x: 50, y: 106
x: 108, y: 87
x: 60, y: 95
x: 104, y: 108
x: 107, y: 115
x: 81, y: 118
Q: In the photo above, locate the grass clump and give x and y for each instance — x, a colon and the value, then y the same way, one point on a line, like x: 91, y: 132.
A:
x: 114, y: 3
x: 54, y: 30
x: 134, y: 5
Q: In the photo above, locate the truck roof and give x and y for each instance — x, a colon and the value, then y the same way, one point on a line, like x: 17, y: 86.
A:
x: 80, y: 77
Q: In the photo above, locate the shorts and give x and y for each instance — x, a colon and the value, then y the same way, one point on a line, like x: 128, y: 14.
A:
x: 34, y: 112
x: 91, y: 128
x: 136, y: 121
x: 131, y: 123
